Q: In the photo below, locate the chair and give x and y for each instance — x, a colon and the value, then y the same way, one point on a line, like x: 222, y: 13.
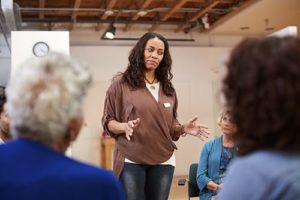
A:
x: 193, y: 190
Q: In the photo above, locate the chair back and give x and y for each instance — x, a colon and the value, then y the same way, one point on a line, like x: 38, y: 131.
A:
x: 193, y: 189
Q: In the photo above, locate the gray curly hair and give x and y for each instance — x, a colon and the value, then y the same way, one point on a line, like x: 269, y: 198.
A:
x: 44, y: 95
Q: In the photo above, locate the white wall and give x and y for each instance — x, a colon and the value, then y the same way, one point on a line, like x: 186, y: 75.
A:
x: 195, y: 70
x: 5, y: 62
x: 22, y: 43
x: 4, y: 71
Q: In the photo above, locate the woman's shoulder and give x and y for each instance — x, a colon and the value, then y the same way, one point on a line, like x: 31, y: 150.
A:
x: 269, y: 159
x: 213, y: 141
x: 116, y: 85
x: 117, y: 79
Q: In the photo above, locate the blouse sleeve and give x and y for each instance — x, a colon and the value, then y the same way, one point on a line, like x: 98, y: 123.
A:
x: 112, y: 106
x: 177, y: 128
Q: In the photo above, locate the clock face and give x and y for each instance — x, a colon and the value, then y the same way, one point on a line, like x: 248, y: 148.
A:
x: 40, y: 49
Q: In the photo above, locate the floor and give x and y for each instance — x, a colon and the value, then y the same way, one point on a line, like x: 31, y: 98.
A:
x: 179, y: 192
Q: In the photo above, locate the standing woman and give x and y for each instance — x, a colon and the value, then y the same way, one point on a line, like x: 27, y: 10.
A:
x: 215, y: 158
x: 140, y: 112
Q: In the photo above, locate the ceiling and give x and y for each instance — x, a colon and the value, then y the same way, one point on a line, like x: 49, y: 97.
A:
x: 177, y: 15
x: 262, y: 18
x: 229, y: 20
x: 87, y: 20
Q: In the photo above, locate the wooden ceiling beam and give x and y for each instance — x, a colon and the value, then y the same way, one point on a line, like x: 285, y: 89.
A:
x: 145, y: 5
x: 74, y: 14
x: 76, y: 6
x: 199, y: 14
x: 226, y: 1
x: 226, y: 17
x: 110, y: 5
x: 173, y: 10
x: 204, y: 11
x: 41, y: 6
x: 169, y: 13
x: 42, y: 13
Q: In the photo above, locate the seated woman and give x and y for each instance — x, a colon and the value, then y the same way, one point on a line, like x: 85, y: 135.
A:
x: 4, y: 121
x: 215, y: 157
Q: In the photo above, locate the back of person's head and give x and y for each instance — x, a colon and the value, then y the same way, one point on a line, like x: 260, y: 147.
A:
x: 44, y: 96
x: 262, y: 90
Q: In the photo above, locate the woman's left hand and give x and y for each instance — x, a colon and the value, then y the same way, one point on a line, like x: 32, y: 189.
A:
x: 196, y: 129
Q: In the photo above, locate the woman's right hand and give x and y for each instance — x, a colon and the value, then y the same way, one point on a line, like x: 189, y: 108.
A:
x: 196, y: 129
x: 213, y: 186
x: 129, y: 127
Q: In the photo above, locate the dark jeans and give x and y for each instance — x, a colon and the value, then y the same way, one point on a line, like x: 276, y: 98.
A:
x: 147, y: 182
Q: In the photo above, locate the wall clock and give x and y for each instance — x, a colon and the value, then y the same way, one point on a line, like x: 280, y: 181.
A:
x: 40, y: 49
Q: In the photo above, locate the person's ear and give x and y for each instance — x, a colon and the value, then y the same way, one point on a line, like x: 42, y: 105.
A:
x: 74, y: 128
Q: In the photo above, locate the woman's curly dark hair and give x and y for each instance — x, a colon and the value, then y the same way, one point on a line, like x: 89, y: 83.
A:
x: 134, y: 74
x: 262, y: 90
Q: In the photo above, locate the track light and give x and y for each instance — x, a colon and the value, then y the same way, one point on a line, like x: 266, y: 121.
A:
x: 110, y: 32
x: 109, y: 12
x: 142, y: 13
x: 205, y: 21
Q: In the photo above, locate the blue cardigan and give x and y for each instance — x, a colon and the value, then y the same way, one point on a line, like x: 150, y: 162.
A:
x: 31, y: 171
x: 208, y: 168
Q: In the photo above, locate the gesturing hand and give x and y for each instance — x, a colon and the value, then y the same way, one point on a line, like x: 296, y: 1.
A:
x: 196, y: 129
x: 129, y: 127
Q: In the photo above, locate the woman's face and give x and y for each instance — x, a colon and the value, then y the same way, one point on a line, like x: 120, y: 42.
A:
x: 154, y: 53
x: 4, y: 121
x: 227, y: 125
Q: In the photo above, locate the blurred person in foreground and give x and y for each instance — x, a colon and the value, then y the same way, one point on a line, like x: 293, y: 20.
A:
x: 4, y: 121
x: 262, y: 90
x: 44, y: 101
x: 215, y: 158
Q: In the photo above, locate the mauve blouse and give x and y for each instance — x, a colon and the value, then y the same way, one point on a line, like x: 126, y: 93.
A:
x: 152, y: 141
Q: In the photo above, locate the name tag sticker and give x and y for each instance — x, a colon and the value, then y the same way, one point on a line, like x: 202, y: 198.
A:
x: 167, y: 105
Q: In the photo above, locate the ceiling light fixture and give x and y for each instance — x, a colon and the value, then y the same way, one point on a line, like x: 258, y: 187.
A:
x: 205, y: 22
x: 109, y: 12
x: 110, y: 32
x: 142, y: 13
